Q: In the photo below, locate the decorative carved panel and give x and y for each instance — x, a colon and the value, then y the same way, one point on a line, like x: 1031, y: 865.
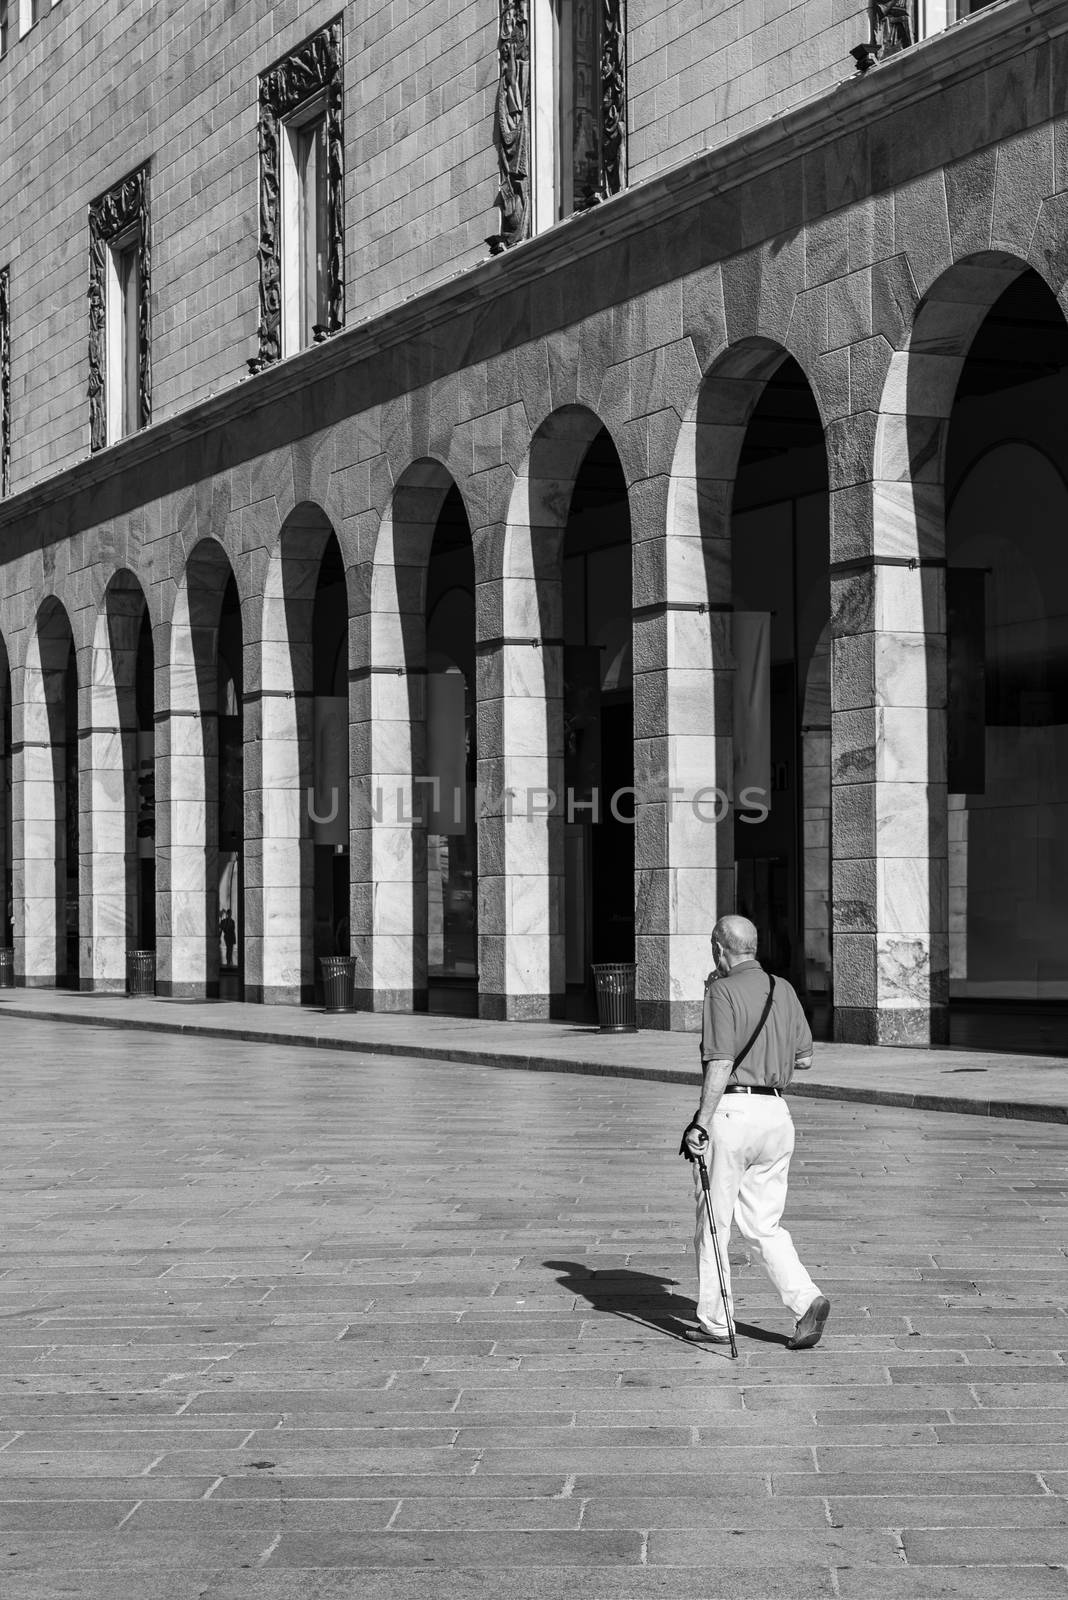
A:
x: 5, y: 385
x: 594, y: 142
x: 613, y: 97
x: 511, y: 129
x: 314, y: 69
x: 123, y: 209
x: 893, y: 26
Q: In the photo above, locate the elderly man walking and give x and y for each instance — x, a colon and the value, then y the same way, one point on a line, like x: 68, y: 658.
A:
x: 754, y: 1036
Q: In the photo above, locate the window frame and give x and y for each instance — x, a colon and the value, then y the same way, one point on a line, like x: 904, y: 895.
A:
x: 119, y: 224
x: 535, y: 113
x: 5, y: 381
x: 304, y: 85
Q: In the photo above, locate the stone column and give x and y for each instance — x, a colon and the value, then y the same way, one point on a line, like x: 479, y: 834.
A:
x: 278, y: 743
x: 387, y: 744
x: 38, y: 841
x: 520, y: 686
x: 683, y: 748
x: 40, y: 807
x: 888, y: 743
x: 187, y: 778
x: 108, y: 783
x: 521, y: 815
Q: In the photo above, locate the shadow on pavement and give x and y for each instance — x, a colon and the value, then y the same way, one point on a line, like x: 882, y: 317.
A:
x: 635, y: 1296
x: 645, y: 1299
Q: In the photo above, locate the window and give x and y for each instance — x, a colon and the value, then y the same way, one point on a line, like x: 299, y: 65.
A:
x: 123, y: 317
x: 896, y: 24
x: 5, y: 384
x: 301, y: 253
x: 305, y: 254
x: 561, y: 111
x: 567, y: 132
x: 3, y: 27
x: 120, y: 393
x: 29, y: 15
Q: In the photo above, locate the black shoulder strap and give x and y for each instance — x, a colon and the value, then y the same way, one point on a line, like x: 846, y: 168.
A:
x: 764, y: 1015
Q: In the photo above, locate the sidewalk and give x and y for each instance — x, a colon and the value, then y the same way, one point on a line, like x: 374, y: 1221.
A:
x: 1032, y: 1088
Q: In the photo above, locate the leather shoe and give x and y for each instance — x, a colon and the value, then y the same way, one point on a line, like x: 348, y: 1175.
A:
x: 702, y: 1336
x: 809, y: 1329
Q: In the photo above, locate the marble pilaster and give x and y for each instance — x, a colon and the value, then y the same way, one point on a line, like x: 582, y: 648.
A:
x: 278, y: 773
x: 108, y: 796
x: 683, y: 681
x: 890, y: 887
x: 187, y: 810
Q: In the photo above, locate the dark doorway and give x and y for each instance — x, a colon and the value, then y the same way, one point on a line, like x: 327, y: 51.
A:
x: 231, y: 800
x: 781, y: 601
x: 451, y: 758
x: 330, y: 766
x: 598, y: 726
x: 1007, y: 733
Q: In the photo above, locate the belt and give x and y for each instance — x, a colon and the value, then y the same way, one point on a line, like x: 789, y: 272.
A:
x: 751, y: 1088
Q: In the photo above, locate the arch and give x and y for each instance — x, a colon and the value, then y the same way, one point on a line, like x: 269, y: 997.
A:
x: 285, y: 810
x: 908, y: 510
x: 891, y: 870
x: 46, y: 834
x: 686, y: 649
x: 199, y: 763
x: 119, y: 742
x: 705, y: 466
x: 522, y: 750
x: 389, y: 700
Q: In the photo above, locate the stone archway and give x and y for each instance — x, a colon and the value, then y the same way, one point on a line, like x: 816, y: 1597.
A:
x: 300, y: 793
x: 689, y: 646
x: 201, y: 766
x: 889, y: 806
x: 521, y: 645
x: 118, y: 836
x: 47, y: 820
x: 392, y: 800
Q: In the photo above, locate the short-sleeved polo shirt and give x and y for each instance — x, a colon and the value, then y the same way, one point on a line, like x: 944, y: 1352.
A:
x: 733, y: 1007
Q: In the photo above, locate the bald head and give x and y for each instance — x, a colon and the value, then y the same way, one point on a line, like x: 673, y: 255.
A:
x: 736, y: 937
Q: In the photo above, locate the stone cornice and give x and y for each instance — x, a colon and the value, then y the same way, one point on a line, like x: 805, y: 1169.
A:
x: 978, y: 44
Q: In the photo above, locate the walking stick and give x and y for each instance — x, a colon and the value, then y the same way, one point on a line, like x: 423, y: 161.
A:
x: 715, y: 1251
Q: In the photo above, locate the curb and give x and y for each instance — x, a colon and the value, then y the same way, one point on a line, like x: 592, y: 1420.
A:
x: 1012, y: 1110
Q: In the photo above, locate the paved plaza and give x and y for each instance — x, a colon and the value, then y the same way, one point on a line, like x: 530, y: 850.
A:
x: 288, y: 1324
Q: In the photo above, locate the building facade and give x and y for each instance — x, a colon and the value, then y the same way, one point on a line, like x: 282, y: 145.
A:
x: 489, y: 488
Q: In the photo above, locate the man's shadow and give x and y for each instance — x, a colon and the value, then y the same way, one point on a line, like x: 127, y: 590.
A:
x: 642, y: 1298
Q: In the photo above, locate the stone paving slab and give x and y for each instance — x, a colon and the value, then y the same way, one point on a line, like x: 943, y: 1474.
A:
x: 983, y: 1083
x: 281, y: 1324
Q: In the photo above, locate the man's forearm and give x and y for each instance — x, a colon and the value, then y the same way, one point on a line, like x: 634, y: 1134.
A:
x: 716, y: 1074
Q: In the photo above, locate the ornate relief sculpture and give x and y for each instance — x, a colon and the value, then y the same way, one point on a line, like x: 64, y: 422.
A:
x: 123, y: 209
x: 892, y: 25
x: 512, y: 125
x: 5, y: 386
x: 314, y: 68
x: 613, y: 97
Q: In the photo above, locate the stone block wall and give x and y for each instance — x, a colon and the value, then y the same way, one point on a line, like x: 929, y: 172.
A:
x: 701, y: 74
x: 121, y: 82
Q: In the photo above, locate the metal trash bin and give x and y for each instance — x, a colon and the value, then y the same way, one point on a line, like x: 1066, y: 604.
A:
x: 7, y: 969
x: 141, y: 972
x: 339, y: 982
x: 614, y: 982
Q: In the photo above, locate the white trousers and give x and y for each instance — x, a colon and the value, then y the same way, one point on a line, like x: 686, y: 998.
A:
x: 752, y: 1140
